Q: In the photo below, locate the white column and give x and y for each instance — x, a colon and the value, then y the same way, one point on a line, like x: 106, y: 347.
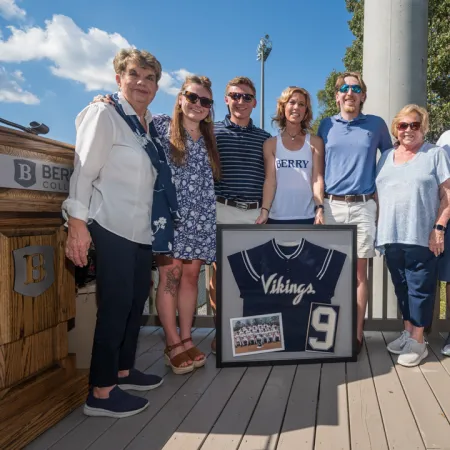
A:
x: 394, y: 70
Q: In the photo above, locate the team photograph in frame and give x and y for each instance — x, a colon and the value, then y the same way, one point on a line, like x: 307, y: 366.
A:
x: 286, y: 294
x: 257, y: 334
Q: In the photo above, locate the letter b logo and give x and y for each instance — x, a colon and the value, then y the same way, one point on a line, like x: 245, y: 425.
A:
x: 24, y: 172
x: 34, y: 269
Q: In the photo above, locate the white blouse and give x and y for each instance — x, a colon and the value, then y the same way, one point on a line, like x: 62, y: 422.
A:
x: 113, y: 176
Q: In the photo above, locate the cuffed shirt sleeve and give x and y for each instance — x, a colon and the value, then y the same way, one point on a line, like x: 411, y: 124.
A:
x: 95, y: 138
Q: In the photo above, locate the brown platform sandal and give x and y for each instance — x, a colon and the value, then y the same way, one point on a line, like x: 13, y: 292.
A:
x: 176, y: 362
x: 193, y: 353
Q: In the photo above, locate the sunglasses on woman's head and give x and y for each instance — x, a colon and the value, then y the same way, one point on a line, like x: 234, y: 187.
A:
x: 191, y: 97
x: 403, y: 126
x: 356, y: 88
x: 236, y: 96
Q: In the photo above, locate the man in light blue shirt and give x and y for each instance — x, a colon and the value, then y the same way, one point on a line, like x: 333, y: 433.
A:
x: 351, y: 142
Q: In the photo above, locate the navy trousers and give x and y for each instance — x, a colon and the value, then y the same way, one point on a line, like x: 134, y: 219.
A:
x: 123, y: 273
x: 413, y: 270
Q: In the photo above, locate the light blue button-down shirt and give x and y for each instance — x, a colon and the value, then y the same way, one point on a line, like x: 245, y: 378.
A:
x: 350, y: 152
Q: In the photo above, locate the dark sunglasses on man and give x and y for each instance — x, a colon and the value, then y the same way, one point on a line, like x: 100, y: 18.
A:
x: 236, y: 96
x: 192, y: 97
x: 403, y: 126
x: 356, y: 88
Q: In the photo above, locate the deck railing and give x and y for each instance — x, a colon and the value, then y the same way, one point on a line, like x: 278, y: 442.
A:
x: 382, y: 310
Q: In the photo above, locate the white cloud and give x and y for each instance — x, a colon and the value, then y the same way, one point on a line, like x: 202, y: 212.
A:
x: 11, y: 91
x: 171, y: 82
x: 9, y: 10
x: 85, y: 57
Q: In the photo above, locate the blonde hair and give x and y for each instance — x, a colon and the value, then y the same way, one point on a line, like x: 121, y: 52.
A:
x: 340, y: 81
x: 241, y: 80
x: 178, y: 134
x: 145, y: 60
x: 280, y: 117
x: 405, y: 111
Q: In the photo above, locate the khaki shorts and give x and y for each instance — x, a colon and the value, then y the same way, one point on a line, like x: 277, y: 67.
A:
x: 362, y: 214
x: 231, y: 215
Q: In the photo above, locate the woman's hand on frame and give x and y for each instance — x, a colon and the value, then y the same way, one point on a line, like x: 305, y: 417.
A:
x: 436, y: 242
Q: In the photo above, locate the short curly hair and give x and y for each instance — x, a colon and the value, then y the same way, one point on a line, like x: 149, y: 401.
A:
x: 145, y: 60
x: 410, y: 109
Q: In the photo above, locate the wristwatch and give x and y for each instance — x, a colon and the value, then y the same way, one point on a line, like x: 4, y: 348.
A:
x: 318, y: 207
x: 438, y: 227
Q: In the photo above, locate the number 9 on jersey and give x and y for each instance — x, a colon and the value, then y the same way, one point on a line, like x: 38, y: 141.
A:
x: 322, y: 327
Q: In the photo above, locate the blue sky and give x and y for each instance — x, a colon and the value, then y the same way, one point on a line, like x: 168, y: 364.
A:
x: 55, y: 55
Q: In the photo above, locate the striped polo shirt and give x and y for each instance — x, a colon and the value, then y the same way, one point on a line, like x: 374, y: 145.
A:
x: 241, y: 159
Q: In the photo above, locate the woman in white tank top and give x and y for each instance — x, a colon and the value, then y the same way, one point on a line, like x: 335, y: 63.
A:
x: 294, y: 163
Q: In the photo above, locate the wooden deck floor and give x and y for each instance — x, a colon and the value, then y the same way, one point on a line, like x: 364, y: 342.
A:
x: 370, y: 404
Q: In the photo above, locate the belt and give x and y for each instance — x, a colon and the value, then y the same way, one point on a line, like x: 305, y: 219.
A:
x: 354, y: 198
x: 237, y: 204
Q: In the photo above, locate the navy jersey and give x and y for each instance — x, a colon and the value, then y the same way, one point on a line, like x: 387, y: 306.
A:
x: 275, y: 278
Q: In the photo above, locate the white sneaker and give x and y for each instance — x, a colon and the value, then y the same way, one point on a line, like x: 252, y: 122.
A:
x: 413, y: 352
x: 396, y: 346
x: 445, y: 350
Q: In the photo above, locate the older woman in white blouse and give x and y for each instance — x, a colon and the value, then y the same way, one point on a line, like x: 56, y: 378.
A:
x: 110, y: 199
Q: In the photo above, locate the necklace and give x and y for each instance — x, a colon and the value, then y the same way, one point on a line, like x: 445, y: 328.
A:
x: 293, y: 137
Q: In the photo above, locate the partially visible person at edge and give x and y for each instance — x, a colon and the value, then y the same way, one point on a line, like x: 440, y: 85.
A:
x: 351, y: 140
x: 188, y: 139
x: 293, y: 186
x: 115, y: 195
x: 240, y: 144
x: 413, y: 188
x: 444, y: 261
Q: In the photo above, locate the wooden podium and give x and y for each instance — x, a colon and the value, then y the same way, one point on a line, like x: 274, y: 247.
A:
x: 39, y: 382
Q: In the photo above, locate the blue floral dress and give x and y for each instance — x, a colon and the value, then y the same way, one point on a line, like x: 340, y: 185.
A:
x: 195, y: 235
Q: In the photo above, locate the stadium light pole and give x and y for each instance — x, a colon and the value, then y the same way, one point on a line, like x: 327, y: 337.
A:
x: 263, y: 52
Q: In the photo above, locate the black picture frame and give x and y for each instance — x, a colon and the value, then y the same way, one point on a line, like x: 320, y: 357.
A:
x: 271, y: 230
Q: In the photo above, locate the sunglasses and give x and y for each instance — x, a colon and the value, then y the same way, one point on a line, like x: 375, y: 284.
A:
x: 356, y: 88
x: 191, y: 97
x: 403, y: 126
x: 236, y: 96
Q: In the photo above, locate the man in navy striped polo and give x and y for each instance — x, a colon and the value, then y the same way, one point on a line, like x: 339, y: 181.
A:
x: 240, y: 145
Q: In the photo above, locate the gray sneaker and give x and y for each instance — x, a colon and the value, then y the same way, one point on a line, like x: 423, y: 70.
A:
x: 412, y: 354
x: 445, y: 350
x: 396, y: 346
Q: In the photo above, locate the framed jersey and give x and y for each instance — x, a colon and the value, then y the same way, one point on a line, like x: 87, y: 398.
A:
x: 286, y: 294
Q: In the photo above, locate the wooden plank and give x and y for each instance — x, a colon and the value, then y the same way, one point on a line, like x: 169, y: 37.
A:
x: 400, y: 426
x: 431, y: 421
x: 123, y: 431
x: 299, y: 422
x: 439, y: 381
x: 332, y: 429
x: 159, y: 430
x: 232, y: 423
x: 366, y: 424
x: 148, y: 337
x: 21, y: 429
x: 198, y: 423
x: 265, y: 425
x: 435, y: 344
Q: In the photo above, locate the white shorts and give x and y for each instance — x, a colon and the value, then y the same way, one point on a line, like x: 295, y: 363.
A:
x: 362, y: 214
x: 232, y: 215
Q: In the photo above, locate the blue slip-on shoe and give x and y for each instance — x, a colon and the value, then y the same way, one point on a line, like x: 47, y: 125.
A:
x: 445, y: 350
x: 138, y: 381
x: 119, y: 404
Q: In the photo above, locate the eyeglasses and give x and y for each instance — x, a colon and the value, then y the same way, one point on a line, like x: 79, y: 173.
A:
x: 191, y: 97
x: 403, y: 126
x: 356, y: 88
x: 236, y: 96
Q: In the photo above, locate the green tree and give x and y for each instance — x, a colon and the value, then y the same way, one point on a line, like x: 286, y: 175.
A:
x: 438, y: 70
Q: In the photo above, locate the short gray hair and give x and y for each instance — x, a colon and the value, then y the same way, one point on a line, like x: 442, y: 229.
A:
x: 145, y: 60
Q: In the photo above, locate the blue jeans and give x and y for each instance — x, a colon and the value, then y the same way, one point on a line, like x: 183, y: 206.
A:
x: 413, y: 270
